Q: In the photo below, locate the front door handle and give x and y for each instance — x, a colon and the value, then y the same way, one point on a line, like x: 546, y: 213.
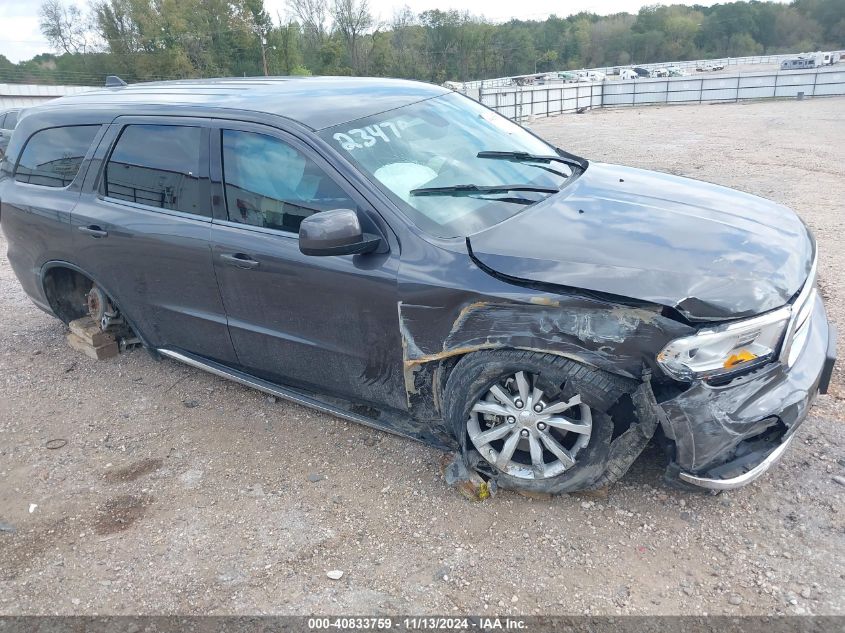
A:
x: 93, y: 230
x: 240, y: 260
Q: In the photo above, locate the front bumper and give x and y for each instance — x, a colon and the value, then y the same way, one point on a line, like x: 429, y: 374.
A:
x: 745, y: 478
x: 727, y: 436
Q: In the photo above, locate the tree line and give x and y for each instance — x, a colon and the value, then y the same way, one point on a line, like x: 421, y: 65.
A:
x: 163, y: 39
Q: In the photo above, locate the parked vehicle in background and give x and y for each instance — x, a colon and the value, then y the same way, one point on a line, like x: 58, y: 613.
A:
x: 819, y: 58
x: 717, y: 66
x: 526, y: 80
x: 567, y: 76
x: 397, y: 254
x: 457, y: 86
x: 660, y: 72
x: 529, y: 80
x: 628, y: 74
x: 592, y: 75
x: 676, y: 71
x: 642, y: 72
x: 8, y: 122
x: 798, y: 63
x: 703, y: 67
x: 828, y: 58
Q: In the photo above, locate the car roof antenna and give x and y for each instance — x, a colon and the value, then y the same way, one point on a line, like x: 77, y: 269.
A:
x: 113, y: 81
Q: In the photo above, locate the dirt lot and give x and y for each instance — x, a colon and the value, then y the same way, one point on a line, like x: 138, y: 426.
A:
x: 178, y: 492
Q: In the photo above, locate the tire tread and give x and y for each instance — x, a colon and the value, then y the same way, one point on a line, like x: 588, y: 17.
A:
x: 598, y: 386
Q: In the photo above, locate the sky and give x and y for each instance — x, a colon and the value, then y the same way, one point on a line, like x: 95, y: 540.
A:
x: 20, y: 38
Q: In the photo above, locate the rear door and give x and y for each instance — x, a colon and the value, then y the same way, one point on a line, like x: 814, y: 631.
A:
x: 37, y: 204
x: 324, y: 323
x: 143, y: 229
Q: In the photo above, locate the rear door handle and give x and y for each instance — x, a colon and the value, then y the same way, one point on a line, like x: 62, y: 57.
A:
x: 93, y: 230
x: 240, y: 260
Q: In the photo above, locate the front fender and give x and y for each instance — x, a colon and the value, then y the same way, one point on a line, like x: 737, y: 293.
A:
x: 618, y: 339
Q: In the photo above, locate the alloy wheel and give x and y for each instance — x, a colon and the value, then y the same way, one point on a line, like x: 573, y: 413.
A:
x: 524, y: 432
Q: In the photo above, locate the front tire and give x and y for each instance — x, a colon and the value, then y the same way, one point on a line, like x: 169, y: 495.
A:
x: 534, y: 422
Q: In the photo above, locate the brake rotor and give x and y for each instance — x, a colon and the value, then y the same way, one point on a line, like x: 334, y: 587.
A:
x: 98, y: 304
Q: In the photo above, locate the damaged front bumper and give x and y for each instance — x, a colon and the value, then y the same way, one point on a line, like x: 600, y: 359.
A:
x: 727, y: 436
x: 745, y: 478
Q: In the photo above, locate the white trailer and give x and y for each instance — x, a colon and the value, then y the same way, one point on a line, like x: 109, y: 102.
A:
x: 831, y: 58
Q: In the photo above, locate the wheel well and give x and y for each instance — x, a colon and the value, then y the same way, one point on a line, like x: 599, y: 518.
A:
x: 441, y: 371
x: 66, y: 291
x: 622, y: 413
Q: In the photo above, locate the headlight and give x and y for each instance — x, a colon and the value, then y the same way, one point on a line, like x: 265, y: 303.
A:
x: 726, y: 349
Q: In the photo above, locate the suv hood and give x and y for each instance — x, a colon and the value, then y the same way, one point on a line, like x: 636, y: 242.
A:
x: 710, y: 252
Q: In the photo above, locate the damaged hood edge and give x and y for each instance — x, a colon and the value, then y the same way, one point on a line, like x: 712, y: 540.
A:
x: 692, y: 310
x: 630, y: 235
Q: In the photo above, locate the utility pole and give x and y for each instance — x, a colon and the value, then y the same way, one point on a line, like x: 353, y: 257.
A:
x: 264, y: 55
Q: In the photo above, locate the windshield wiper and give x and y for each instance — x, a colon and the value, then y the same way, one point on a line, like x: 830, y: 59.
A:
x: 471, y: 190
x: 525, y: 157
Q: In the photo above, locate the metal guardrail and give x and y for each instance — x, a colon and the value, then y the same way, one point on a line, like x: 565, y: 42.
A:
x: 519, y: 103
x: 556, y: 97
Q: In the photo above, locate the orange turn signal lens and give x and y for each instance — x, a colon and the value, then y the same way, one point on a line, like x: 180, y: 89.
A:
x: 740, y: 357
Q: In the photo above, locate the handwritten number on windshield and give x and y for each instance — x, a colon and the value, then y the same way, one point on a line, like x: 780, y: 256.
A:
x: 367, y: 137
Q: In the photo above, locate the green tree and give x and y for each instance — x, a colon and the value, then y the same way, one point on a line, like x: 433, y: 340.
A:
x: 352, y: 19
x: 147, y: 39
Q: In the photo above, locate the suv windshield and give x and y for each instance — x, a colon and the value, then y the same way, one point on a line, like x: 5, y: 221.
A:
x: 436, y: 144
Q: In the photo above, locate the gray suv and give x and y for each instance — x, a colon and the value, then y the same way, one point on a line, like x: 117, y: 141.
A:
x: 399, y: 255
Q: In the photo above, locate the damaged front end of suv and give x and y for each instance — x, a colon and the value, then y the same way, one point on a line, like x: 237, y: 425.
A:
x: 712, y: 308
x: 748, y: 385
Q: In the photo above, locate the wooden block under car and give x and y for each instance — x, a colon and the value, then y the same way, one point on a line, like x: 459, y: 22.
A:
x: 97, y: 352
x: 89, y: 331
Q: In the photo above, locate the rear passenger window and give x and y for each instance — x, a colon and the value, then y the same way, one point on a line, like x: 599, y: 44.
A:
x: 272, y: 185
x: 158, y: 166
x: 11, y: 121
x: 52, y: 157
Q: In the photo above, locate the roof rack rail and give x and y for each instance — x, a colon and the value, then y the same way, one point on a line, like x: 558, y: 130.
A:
x: 113, y: 81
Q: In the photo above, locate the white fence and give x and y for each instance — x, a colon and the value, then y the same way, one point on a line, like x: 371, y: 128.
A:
x: 556, y: 98
x: 521, y: 102
x: 26, y: 95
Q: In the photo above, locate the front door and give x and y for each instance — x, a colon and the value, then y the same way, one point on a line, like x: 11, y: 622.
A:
x: 143, y: 229
x: 328, y: 324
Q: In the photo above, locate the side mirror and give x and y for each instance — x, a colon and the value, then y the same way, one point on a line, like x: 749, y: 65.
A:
x: 335, y: 232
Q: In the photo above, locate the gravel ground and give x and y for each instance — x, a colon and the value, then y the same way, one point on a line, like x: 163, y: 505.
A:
x: 178, y: 492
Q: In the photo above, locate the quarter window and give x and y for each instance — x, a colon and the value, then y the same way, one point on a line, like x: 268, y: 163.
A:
x: 272, y: 185
x: 52, y: 157
x: 11, y: 120
x: 158, y: 166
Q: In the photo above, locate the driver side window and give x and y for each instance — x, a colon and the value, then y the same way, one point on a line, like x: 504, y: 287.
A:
x: 271, y: 184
